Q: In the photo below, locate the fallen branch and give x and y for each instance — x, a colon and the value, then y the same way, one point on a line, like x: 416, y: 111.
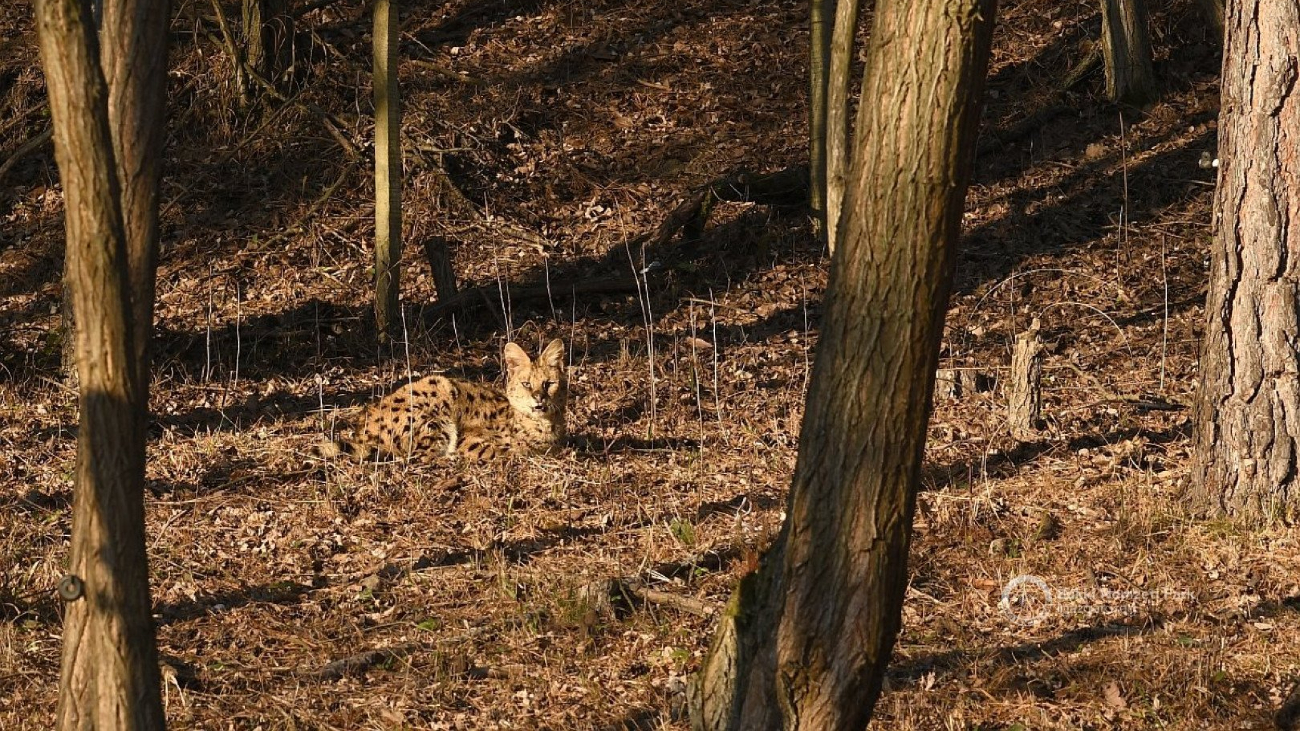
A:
x: 311, y: 7
x: 686, y: 604
x: 26, y: 149
x: 358, y: 663
x: 499, y: 225
x: 333, y: 124
x: 1081, y: 70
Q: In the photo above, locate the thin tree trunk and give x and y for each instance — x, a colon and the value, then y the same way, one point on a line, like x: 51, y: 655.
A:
x: 806, y: 639
x: 837, y: 114
x: 823, y: 12
x: 1247, y: 423
x: 1126, y: 51
x: 388, y: 170
x: 109, y: 674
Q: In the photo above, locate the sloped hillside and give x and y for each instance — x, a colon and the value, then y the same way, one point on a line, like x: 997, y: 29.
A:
x: 575, y: 591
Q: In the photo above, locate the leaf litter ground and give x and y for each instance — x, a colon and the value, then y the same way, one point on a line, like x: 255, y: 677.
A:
x: 540, y: 139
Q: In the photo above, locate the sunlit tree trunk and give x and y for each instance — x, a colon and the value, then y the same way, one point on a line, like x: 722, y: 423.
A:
x: 388, y: 170
x: 837, y: 135
x: 822, y: 17
x: 109, y: 671
x: 1247, y: 421
x: 805, y: 640
x: 133, y: 55
x: 268, y: 36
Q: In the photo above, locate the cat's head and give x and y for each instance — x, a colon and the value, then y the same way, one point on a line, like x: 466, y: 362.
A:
x: 537, y: 387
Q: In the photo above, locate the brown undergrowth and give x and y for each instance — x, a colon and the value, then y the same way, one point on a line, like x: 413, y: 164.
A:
x: 296, y: 593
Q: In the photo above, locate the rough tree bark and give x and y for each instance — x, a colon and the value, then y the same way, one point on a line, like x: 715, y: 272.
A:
x: 805, y: 640
x: 837, y: 115
x: 109, y: 674
x: 1126, y: 51
x: 1247, y: 420
x: 1024, y: 386
x: 388, y: 170
x: 822, y: 17
x: 133, y: 56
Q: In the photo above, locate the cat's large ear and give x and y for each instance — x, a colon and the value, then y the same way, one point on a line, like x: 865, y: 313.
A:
x: 515, y: 357
x: 553, y: 354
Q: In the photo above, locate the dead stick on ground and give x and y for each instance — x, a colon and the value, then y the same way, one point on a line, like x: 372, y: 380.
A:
x: 358, y: 663
x: 499, y: 225
x: 654, y: 596
x: 26, y: 149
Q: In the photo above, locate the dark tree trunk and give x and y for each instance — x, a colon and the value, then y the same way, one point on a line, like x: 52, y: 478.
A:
x: 1126, y: 51
x: 1213, y: 11
x: 806, y: 639
x: 1247, y: 416
x: 109, y: 674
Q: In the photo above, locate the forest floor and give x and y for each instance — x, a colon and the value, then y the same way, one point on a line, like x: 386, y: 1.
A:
x: 542, y: 138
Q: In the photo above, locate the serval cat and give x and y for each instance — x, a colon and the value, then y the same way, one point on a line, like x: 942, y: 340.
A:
x: 439, y: 415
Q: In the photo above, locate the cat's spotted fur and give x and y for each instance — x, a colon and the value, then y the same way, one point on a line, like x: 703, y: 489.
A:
x: 438, y: 415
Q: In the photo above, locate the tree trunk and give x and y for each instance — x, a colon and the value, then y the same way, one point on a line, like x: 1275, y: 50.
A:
x: 1247, y: 423
x: 1024, y: 385
x: 837, y: 115
x: 388, y: 170
x: 822, y: 16
x: 1213, y: 12
x: 268, y: 37
x: 109, y: 674
x: 1126, y: 51
x: 133, y: 56
x: 806, y: 640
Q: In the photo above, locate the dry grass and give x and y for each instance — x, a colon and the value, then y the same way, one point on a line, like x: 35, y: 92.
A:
x: 488, y: 587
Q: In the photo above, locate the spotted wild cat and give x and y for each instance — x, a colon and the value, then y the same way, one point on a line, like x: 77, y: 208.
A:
x: 438, y: 415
